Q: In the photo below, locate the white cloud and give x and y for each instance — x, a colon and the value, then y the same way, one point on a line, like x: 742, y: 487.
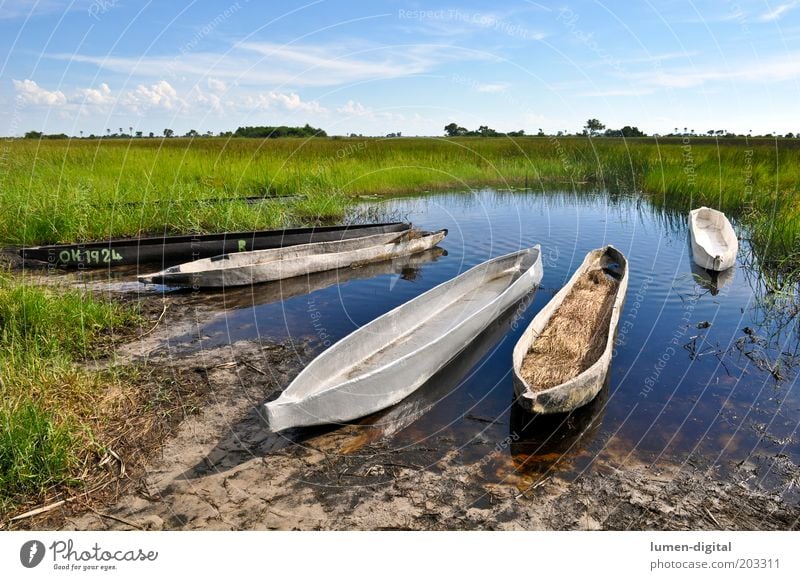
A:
x: 217, y: 85
x: 778, y: 12
x: 766, y: 70
x: 355, y: 109
x: 29, y: 93
x: 206, y: 101
x: 19, y: 9
x: 289, y: 66
x: 101, y: 96
x: 492, y: 87
x: 633, y: 92
x: 286, y: 101
x: 160, y: 95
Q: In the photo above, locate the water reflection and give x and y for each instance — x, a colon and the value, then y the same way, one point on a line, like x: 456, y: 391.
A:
x: 539, y: 442
x: 407, y: 267
x: 714, y: 282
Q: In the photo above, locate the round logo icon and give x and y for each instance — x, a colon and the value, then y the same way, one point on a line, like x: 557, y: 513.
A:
x: 31, y: 553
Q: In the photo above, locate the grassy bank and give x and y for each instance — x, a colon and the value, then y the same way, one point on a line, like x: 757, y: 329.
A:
x: 49, y: 407
x: 87, y: 189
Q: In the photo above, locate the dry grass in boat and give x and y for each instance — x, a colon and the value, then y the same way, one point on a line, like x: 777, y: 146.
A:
x: 575, y: 336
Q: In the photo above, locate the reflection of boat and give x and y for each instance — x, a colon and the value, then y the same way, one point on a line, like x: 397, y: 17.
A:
x: 124, y: 280
x: 172, y: 249
x: 539, y: 441
x: 562, y: 358
x: 440, y: 385
x: 714, y: 243
x: 713, y: 281
x: 386, y: 360
x: 246, y: 268
x: 408, y: 267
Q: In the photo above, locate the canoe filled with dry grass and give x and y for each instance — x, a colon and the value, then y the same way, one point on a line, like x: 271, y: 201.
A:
x: 562, y: 358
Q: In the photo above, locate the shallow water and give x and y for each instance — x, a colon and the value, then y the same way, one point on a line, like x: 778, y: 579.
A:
x: 691, y: 379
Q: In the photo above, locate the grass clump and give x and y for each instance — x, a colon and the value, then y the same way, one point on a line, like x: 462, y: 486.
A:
x: 36, y: 450
x: 48, y: 405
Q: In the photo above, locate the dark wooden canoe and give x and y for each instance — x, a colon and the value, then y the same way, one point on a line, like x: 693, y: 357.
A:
x: 169, y: 250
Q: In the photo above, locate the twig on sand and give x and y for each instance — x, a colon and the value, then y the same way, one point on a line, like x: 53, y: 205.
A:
x: 116, y: 518
x: 713, y: 519
x: 160, y: 318
x: 46, y: 508
x: 533, y: 486
x: 254, y: 367
x: 40, y: 510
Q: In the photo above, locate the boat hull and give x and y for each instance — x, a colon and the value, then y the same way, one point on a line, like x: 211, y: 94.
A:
x: 247, y: 268
x: 169, y: 250
x: 369, y: 389
x: 714, y: 242
x: 581, y: 389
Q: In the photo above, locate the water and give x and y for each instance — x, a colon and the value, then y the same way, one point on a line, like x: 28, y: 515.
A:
x: 691, y: 380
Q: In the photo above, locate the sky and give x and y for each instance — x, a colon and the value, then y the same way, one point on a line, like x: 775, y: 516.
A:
x: 382, y: 67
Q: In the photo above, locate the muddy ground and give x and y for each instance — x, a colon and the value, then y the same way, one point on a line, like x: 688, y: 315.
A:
x: 220, y: 468
x: 223, y: 470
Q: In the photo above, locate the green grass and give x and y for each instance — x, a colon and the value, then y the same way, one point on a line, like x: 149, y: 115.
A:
x: 47, y: 403
x: 63, y: 191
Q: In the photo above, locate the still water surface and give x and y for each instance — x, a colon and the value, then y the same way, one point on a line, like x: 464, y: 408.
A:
x: 694, y: 373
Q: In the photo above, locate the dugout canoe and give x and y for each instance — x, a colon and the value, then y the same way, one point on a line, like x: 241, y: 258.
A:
x: 546, y: 350
x: 169, y: 250
x: 442, y: 386
x: 245, y: 268
x: 386, y: 360
x: 714, y: 243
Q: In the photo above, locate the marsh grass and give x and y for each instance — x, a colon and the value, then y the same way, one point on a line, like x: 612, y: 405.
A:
x: 65, y: 191
x: 48, y: 405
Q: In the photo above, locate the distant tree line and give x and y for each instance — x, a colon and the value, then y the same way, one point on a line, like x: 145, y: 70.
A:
x: 264, y: 132
x: 282, y: 131
x: 454, y: 130
x: 593, y: 128
x: 39, y: 135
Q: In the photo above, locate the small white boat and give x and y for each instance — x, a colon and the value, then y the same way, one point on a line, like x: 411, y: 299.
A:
x: 245, y: 268
x: 714, y: 243
x: 386, y: 360
x: 561, y: 360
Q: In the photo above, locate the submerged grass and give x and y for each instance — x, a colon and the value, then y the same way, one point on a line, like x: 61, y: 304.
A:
x: 63, y: 191
x: 48, y: 405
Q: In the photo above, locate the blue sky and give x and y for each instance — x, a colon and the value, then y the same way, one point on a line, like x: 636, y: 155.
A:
x: 380, y: 67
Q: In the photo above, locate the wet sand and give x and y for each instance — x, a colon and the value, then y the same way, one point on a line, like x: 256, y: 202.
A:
x: 223, y: 470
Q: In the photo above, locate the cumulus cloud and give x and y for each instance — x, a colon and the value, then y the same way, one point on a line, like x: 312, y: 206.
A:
x: 29, y: 93
x: 101, y: 96
x: 217, y: 85
x: 147, y: 98
x: 355, y: 109
x: 287, y: 101
x: 160, y: 95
